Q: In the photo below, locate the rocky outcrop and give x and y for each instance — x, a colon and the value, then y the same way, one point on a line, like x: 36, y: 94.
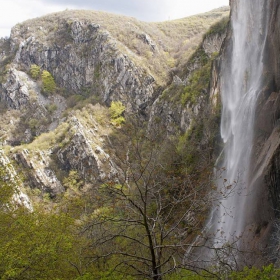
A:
x: 39, y: 173
x: 15, y: 92
x: 146, y: 39
x: 79, y: 147
x: 267, y: 145
x: 177, y: 81
x: 19, y: 198
x: 82, y: 153
x: 268, y: 114
x: 273, y: 58
x: 213, y: 43
x: 169, y: 110
x: 87, y: 59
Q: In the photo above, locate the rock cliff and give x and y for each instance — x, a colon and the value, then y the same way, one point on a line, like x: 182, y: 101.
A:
x: 93, y: 59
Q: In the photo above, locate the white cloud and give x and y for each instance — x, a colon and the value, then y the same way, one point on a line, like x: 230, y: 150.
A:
x: 16, y: 11
x: 183, y: 8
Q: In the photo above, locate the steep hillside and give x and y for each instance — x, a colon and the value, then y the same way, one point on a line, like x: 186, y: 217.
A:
x: 92, y: 59
x: 98, y: 110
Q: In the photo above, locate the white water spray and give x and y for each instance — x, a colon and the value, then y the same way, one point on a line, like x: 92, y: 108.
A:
x: 241, y: 84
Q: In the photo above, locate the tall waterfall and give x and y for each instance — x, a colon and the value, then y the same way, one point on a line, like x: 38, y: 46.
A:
x: 241, y: 84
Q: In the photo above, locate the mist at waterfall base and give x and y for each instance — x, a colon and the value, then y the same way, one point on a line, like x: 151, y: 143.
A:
x: 240, y: 85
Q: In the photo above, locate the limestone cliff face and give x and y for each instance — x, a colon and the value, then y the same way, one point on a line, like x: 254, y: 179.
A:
x: 49, y: 135
x: 40, y: 175
x: 85, y: 153
x: 175, y: 113
x: 20, y: 198
x: 85, y: 59
x: 274, y: 43
x: 268, y: 112
x: 15, y: 91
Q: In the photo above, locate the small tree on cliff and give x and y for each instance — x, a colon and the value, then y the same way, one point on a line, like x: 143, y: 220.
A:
x: 48, y: 82
x: 35, y: 71
x: 116, y: 111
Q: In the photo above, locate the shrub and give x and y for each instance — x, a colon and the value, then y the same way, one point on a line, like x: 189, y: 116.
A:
x: 48, y: 82
x: 116, y: 111
x: 51, y: 108
x: 266, y: 273
x: 73, y: 181
x: 35, y: 71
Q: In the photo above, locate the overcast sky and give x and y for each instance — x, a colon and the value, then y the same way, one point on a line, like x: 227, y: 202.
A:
x: 15, y: 11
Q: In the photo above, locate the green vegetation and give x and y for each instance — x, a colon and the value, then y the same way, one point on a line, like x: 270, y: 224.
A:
x: 116, y: 111
x: 48, y: 82
x: 51, y: 108
x: 73, y: 180
x: 35, y: 71
x: 266, y: 273
x: 218, y: 28
x: 6, y: 59
x: 38, y: 244
x: 47, y: 140
x: 199, y: 80
x: 198, y: 84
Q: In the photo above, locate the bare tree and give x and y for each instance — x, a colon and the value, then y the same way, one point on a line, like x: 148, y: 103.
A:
x: 148, y: 216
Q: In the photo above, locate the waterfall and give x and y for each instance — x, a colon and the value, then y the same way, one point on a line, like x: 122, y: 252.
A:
x: 241, y: 84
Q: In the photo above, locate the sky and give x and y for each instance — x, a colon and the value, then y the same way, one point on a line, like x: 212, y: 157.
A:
x: 15, y: 11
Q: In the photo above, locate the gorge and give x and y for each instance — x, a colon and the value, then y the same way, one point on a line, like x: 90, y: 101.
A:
x: 110, y: 132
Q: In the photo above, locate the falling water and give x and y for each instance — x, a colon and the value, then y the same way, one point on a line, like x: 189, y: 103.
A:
x: 241, y: 84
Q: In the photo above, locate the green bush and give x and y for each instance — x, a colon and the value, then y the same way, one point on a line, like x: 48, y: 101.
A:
x: 51, y: 108
x: 199, y: 79
x: 219, y: 27
x: 266, y: 273
x: 116, y: 111
x: 35, y: 71
x: 48, y: 82
x: 73, y: 181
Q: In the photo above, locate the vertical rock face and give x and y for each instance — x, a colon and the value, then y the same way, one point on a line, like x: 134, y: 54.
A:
x: 267, y: 127
x: 82, y: 153
x: 19, y: 198
x: 172, y: 112
x: 274, y: 43
x: 15, y: 92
